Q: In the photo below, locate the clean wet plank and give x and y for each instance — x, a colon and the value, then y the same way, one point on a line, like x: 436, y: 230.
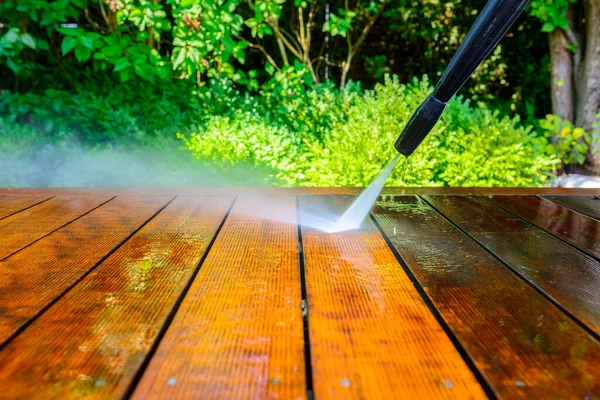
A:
x: 524, y: 345
x: 93, y: 341
x: 239, y: 332
x: 588, y: 205
x: 34, y: 277
x: 21, y: 229
x: 10, y: 205
x: 565, y: 274
x: 371, y: 334
x: 577, y: 229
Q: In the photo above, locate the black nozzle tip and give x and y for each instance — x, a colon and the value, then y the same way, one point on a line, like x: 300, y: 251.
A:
x: 419, y: 125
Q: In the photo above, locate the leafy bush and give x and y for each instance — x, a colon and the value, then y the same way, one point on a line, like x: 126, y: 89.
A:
x: 570, y: 143
x: 469, y: 146
x: 95, y: 115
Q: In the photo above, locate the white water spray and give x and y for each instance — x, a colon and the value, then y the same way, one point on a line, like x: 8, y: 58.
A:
x: 356, y: 213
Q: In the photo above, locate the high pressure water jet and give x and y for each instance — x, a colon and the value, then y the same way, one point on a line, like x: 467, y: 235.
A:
x: 491, y: 25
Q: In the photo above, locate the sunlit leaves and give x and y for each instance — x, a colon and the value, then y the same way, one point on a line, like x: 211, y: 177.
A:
x: 569, y: 143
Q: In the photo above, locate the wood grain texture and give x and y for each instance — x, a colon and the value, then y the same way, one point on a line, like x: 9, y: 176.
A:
x: 238, y: 333
x: 371, y: 334
x: 522, y: 343
x: 32, y: 278
x: 13, y: 204
x: 93, y: 340
x: 588, y: 205
x: 565, y: 274
x: 577, y: 229
x: 21, y: 229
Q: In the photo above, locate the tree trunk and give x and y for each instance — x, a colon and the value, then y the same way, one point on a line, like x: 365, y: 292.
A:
x: 589, y: 101
x: 563, y: 90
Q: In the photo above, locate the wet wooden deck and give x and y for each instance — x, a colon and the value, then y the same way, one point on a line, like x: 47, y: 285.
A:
x: 223, y: 293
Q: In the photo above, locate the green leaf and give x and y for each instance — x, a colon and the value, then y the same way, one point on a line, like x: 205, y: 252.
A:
x: 82, y: 53
x: 28, y: 40
x: 187, y: 3
x: 548, y: 27
x: 228, y: 44
x: 122, y: 64
x: 12, y: 35
x: 124, y: 76
x: 269, y: 68
x: 67, y: 44
x: 86, y: 41
x: 43, y: 45
x: 112, y: 51
x: 13, y: 66
x: 178, y: 56
x: 71, y: 31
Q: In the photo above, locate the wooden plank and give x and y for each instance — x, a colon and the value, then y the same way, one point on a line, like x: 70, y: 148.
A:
x: 371, y: 334
x: 523, y: 344
x: 19, y: 230
x: 566, y: 275
x: 92, y: 342
x: 33, y: 278
x: 10, y: 205
x: 588, y: 205
x: 577, y: 229
x: 239, y: 332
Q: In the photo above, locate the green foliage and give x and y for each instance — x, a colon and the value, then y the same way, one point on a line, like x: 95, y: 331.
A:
x: 569, y: 143
x: 469, y: 147
x: 420, y: 37
x: 339, y: 25
x: 114, y: 114
x: 552, y: 13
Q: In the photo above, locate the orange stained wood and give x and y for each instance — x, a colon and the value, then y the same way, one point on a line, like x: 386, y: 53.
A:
x: 239, y: 332
x: 565, y: 274
x: 577, y: 229
x: 588, y: 205
x: 94, y: 339
x: 522, y: 343
x: 371, y: 334
x: 33, y: 277
x: 21, y: 229
x: 13, y: 204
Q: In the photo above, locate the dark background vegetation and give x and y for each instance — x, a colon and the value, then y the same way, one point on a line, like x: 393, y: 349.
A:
x: 305, y: 92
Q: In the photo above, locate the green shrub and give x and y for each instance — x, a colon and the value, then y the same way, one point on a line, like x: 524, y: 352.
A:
x: 569, y: 143
x: 469, y: 146
x: 126, y: 115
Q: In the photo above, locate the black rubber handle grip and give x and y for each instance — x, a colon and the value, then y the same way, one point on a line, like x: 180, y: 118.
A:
x: 419, y: 125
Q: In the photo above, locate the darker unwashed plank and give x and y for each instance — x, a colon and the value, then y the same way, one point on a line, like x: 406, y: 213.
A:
x: 94, y: 339
x: 565, y: 274
x: 238, y: 333
x: 524, y: 345
x: 588, y: 205
x: 577, y: 229
x: 21, y: 229
x: 371, y: 334
x: 10, y: 205
x: 32, y: 278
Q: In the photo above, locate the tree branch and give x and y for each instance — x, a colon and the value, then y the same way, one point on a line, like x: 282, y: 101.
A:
x: 262, y: 50
x: 368, y: 27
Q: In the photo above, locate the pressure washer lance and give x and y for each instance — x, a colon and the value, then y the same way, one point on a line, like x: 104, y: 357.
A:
x: 486, y: 32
